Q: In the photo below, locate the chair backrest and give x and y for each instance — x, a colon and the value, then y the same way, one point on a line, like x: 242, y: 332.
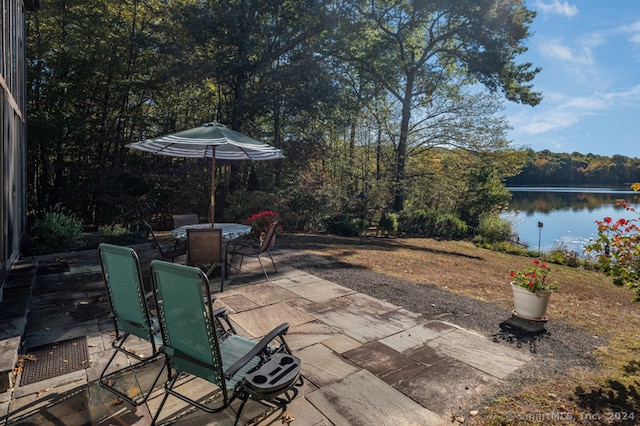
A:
x: 185, y: 219
x: 204, y: 246
x: 123, y: 278
x: 188, y: 328
x: 269, y: 235
x: 153, y: 235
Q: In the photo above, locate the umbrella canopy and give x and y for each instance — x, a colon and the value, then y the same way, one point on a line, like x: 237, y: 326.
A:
x: 211, y: 140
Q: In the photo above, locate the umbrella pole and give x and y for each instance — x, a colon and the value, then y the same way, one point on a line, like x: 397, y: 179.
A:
x: 213, y: 185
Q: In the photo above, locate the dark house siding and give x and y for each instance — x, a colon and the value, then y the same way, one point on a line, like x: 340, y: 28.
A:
x: 13, y: 134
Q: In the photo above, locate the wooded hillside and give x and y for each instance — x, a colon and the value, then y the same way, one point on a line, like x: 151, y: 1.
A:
x: 548, y: 168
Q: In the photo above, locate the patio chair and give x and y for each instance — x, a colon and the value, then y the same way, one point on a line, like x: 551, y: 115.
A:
x: 182, y: 220
x: 254, y: 248
x: 204, y: 250
x: 198, y: 345
x: 185, y: 219
x: 131, y: 317
x: 166, y: 253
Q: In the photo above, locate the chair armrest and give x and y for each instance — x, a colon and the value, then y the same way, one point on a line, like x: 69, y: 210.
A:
x: 242, y: 242
x: 260, y: 347
x: 222, y: 311
x: 220, y: 315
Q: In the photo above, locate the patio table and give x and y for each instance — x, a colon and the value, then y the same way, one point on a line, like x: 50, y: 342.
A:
x: 230, y: 231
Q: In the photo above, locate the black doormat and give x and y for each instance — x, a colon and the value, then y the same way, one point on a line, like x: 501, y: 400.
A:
x: 48, y: 268
x: 55, y: 359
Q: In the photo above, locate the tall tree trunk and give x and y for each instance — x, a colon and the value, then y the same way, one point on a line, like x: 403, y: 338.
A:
x: 379, y: 154
x: 352, y: 154
x: 401, y: 156
x: 277, y: 142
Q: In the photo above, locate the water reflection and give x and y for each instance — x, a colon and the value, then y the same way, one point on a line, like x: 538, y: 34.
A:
x: 549, y: 201
x: 567, y: 214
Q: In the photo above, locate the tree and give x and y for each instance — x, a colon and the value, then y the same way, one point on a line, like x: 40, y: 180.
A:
x: 88, y: 85
x: 422, y: 51
x: 242, y: 45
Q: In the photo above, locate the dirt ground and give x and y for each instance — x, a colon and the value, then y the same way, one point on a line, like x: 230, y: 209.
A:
x: 584, y: 356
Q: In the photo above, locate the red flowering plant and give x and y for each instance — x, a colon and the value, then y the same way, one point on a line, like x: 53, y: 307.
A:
x: 261, y: 221
x: 618, y: 248
x: 535, y: 278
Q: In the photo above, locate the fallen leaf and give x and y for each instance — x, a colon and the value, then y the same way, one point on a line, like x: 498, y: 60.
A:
x: 287, y: 418
x: 133, y: 391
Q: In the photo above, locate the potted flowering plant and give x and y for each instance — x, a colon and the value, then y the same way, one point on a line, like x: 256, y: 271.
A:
x: 261, y: 221
x: 531, y: 291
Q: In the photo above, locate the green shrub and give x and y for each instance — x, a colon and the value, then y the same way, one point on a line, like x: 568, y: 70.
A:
x: 432, y: 224
x: 510, y: 248
x: 418, y: 222
x: 342, y: 224
x: 388, y: 224
x: 493, y: 229
x: 112, y: 230
x: 360, y: 225
x: 563, y: 257
x: 556, y: 256
x: 449, y: 227
x: 56, y: 230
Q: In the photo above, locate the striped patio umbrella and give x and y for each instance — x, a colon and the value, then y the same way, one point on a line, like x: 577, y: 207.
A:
x: 211, y: 140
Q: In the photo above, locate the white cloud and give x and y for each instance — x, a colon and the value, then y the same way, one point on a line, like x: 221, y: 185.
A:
x: 565, y: 111
x: 628, y: 97
x: 557, y: 7
x: 582, y: 103
x: 633, y: 30
x: 543, y: 123
x: 556, y: 50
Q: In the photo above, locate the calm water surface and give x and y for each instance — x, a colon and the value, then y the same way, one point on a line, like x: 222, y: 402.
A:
x: 567, y: 214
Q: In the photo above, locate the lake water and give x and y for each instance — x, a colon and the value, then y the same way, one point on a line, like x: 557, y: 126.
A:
x: 567, y: 214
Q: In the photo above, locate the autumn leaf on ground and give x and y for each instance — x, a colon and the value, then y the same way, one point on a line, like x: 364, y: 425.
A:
x: 287, y: 418
x: 132, y: 392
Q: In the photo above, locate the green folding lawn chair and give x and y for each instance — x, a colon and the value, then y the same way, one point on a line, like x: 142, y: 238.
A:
x: 132, y: 317
x: 200, y: 341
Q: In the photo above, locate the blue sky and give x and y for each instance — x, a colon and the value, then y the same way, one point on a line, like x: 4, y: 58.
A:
x: 589, y: 52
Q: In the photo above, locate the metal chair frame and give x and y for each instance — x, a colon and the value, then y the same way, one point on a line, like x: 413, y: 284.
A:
x: 165, y: 253
x: 199, y: 341
x: 131, y: 316
x: 244, y: 248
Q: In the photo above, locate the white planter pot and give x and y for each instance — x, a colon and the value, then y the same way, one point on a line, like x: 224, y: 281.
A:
x: 528, y: 305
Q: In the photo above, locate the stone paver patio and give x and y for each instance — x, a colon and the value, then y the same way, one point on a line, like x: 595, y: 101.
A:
x: 364, y: 361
